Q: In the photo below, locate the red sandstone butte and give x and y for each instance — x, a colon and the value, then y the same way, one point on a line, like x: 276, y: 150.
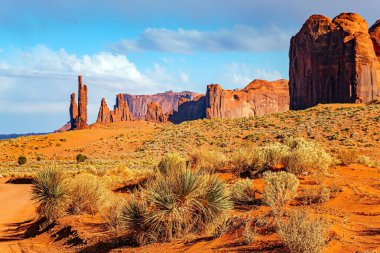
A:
x: 155, y: 114
x: 78, y: 113
x: 334, y: 61
x: 120, y: 113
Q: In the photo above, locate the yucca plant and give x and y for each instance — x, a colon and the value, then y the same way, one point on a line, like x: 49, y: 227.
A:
x: 175, y: 204
x: 50, y: 193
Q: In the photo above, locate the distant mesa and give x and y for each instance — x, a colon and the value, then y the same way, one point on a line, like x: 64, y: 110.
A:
x: 168, y: 101
x: 258, y: 98
x: 155, y: 113
x: 334, y: 61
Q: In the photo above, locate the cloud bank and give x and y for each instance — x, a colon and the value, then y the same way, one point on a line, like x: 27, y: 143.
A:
x: 238, y: 38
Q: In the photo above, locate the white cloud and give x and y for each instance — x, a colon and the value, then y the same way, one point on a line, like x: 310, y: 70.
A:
x: 240, y: 74
x: 184, y: 77
x: 40, y: 80
x: 238, y: 38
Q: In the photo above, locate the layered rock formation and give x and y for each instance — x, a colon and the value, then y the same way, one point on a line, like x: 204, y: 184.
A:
x: 78, y: 113
x: 189, y: 109
x: 334, y: 61
x: 154, y: 113
x: 120, y: 113
x: 258, y: 98
x: 167, y: 100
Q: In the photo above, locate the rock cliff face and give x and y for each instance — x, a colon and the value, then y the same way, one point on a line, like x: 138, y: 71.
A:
x: 78, y: 113
x: 154, y: 113
x: 258, y: 98
x: 189, y: 109
x: 120, y: 113
x: 73, y: 111
x: 333, y: 61
x: 167, y: 100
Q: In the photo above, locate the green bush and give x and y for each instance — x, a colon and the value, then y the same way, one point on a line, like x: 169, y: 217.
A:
x: 22, y: 160
x: 242, y: 192
x: 50, y: 193
x: 301, y: 233
x: 81, y: 158
x: 279, y: 189
x: 176, y: 204
x: 171, y: 162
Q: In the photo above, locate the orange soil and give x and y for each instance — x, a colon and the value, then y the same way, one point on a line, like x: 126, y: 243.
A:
x: 354, y: 212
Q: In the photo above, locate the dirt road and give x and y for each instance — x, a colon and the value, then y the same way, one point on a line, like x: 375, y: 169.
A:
x: 17, y: 212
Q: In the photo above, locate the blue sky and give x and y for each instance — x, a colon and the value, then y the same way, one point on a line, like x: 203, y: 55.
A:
x: 141, y: 47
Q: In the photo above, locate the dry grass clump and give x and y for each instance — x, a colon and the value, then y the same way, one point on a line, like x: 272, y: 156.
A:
x: 87, y: 194
x: 113, y: 216
x: 271, y: 155
x: 303, y: 234
x: 280, y: 188
x: 242, y: 159
x: 347, y: 156
x: 177, y: 203
x: 171, y: 162
x: 242, y: 192
x: 208, y: 160
x: 304, y: 155
x: 368, y: 161
x: 50, y: 193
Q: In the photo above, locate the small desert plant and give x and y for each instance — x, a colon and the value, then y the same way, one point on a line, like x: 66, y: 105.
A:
x: 367, y: 161
x: 242, y: 192
x: 175, y: 204
x: 280, y: 188
x: 81, y: 158
x: 271, y: 155
x: 208, y: 160
x: 114, y: 215
x: 22, y: 160
x: 303, y: 234
x: 248, y: 233
x: 347, y: 156
x: 87, y: 194
x: 304, y: 156
x: 171, y: 162
x: 50, y: 193
x: 242, y: 159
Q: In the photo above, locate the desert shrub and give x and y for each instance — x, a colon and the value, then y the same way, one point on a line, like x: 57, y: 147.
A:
x: 114, y: 215
x: 22, y: 160
x: 87, y: 194
x: 242, y: 192
x: 368, y: 161
x: 179, y: 203
x: 242, y: 159
x: 280, y: 188
x: 208, y: 160
x: 303, y: 234
x: 50, y: 193
x: 347, y: 156
x: 248, y: 233
x: 171, y: 162
x: 81, y: 158
x: 304, y: 156
x: 270, y: 155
